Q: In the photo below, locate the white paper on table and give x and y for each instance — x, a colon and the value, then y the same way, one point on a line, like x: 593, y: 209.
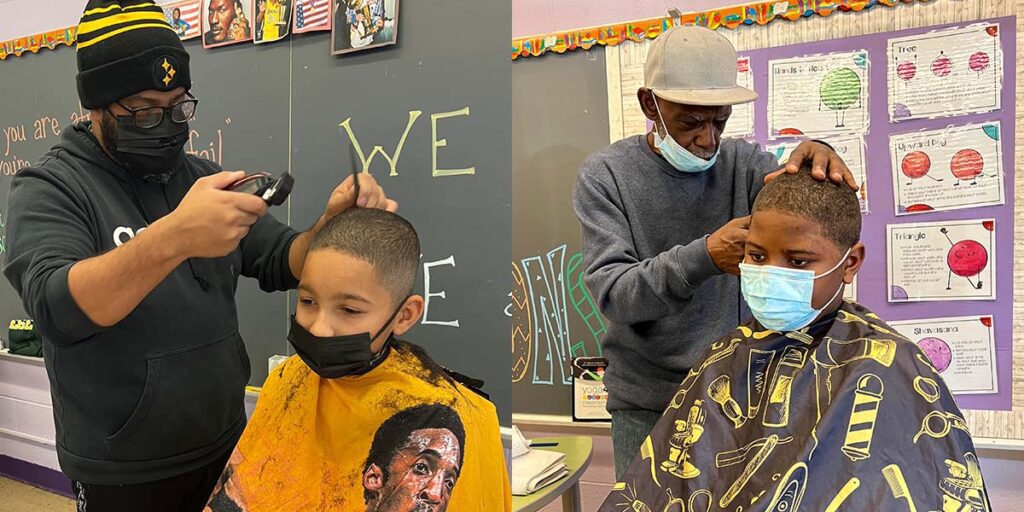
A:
x: 947, y: 72
x: 849, y: 148
x: 942, y: 261
x: 818, y: 95
x: 962, y: 350
x: 536, y: 469
x: 949, y: 169
x: 741, y: 122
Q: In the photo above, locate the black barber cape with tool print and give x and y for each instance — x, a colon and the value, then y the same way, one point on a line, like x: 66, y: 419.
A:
x: 844, y: 415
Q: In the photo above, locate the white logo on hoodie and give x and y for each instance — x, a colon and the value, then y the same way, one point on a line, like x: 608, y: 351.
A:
x: 123, y: 234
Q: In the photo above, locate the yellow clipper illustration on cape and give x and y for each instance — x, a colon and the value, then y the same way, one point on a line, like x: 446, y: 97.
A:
x: 843, y: 415
x: 403, y: 437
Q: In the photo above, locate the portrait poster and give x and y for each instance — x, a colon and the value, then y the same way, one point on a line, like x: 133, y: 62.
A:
x: 363, y: 24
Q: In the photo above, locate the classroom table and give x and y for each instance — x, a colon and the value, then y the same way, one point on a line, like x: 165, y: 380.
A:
x: 577, y: 450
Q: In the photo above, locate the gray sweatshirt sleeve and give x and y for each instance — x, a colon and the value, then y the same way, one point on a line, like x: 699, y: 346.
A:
x: 48, y: 232
x: 630, y: 290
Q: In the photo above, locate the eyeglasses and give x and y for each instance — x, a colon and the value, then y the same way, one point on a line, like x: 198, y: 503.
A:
x: 148, y: 117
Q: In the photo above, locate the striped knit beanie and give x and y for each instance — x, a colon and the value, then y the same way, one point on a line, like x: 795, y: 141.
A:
x: 125, y: 47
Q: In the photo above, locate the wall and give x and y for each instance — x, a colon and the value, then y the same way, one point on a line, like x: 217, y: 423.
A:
x: 559, y: 117
x: 534, y: 17
x: 20, y: 18
x: 529, y: 17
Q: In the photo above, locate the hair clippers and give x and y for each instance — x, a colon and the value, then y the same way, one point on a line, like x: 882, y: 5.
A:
x: 272, y: 190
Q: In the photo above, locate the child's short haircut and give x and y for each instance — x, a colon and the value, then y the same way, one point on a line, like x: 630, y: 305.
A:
x: 383, y: 239
x: 832, y: 206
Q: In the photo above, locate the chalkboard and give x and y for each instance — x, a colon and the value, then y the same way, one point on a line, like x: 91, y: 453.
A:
x: 561, y: 116
x: 445, y: 86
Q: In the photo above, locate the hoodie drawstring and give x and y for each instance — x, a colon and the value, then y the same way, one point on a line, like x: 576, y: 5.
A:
x: 203, y: 283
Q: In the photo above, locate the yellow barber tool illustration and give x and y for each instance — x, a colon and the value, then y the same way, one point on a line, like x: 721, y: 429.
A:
x: 926, y: 362
x: 722, y: 353
x: 791, y: 489
x: 800, y: 336
x: 693, y: 505
x: 687, y: 434
x: 866, y: 401
x: 776, y: 411
x: 739, y: 455
x: 748, y: 472
x: 758, y: 362
x: 927, y: 388
x: 721, y: 392
x: 937, y: 424
x: 894, y: 477
x: 758, y: 335
x: 963, y: 490
x: 647, y: 452
x: 851, y: 485
x: 848, y: 318
x: 842, y: 352
x: 680, y: 397
x: 632, y: 504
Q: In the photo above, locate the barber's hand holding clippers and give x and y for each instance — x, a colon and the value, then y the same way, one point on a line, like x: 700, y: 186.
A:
x: 211, y: 220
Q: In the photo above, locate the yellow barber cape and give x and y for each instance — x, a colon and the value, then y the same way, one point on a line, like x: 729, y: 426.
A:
x: 402, y: 437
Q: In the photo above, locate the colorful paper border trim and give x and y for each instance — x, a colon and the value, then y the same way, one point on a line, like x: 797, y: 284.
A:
x: 760, y: 13
x: 51, y: 40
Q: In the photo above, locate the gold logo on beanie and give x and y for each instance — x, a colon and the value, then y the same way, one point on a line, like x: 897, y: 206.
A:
x: 169, y: 73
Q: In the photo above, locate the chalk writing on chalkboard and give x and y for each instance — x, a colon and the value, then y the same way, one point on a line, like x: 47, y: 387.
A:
x: 393, y: 157
x: 428, y: 294
x: 47, y: 127
x: 542, y: 291
x: 3, y: 236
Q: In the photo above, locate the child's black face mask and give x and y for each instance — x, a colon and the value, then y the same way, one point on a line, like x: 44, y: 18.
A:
x: 339, y: 356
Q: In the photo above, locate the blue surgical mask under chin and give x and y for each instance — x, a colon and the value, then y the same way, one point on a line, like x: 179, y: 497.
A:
x: 780, y: 298
x: 677, y: 156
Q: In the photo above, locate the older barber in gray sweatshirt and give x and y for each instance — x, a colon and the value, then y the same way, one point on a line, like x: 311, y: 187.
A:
x: 645, y: 228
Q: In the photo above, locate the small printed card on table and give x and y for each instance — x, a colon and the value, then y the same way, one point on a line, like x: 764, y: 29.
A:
x: 589, y: 396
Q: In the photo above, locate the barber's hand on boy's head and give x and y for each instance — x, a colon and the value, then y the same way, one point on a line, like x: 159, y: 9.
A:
x: 824, y: 160
x: 726, y: 245
x: 371, y: 195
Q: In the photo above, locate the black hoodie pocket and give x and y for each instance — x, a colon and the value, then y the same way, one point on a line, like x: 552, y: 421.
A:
x: 192, y: 398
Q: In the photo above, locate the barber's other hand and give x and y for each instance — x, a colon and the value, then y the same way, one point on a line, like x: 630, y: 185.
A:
x: 371, y: 195
x: 824, y: 162
x: 726, y: 245
x: 210, y: 221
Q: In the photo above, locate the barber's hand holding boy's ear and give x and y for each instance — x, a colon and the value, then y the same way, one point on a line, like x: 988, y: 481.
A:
x: 371, y: 195
x: 726, y: 246
x: 823, y: 160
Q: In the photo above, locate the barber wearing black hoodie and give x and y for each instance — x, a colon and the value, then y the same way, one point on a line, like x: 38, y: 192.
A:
x: 126, y: 252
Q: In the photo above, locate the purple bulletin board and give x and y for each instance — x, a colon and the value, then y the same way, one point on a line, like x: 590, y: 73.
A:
x: 872, y: 280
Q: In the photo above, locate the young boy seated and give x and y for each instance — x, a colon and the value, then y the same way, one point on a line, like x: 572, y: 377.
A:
x: 816, y: 404
x: 358, y: 420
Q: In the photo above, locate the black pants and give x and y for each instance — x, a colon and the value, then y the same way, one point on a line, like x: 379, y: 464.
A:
x: 183, y: 493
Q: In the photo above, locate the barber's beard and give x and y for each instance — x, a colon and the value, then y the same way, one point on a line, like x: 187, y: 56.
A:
x: 108, y: 130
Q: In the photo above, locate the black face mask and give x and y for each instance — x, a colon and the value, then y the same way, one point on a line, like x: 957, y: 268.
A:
x: 339, y: 356
x: 152, y: 154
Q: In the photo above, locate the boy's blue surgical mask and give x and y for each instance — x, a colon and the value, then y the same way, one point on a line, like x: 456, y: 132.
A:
x: 780, y: 298
x: 676, y: 155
